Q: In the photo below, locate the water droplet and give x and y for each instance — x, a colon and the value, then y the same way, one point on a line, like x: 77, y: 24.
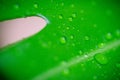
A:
x: 63, y: 40
x: 85, y: 55
x: 70, y: 19
x: 59, y: 27
x: 67, y: 28
x: 99, y: 66
x: 73, y: 44
x: 101, y: 45
x: 73, y: 27
x: 78, y: 30
x: 77, y: 56
x: 101, y: 59
x: 16, y: 6
x: 72, y: 5
x: 74, y: 15
x: 62, y: 4
x: 60, y: 16
x: 93, y: 62
x: 66, y: 72
x: 35, y: 5
x: 86, y: 38
x: 42, y: 16
x: 109, y: 36
x: 80, y: 52
x: 82, y: 65
x: 71, y: 37
x: 91, y: 50
x: 63, y: 63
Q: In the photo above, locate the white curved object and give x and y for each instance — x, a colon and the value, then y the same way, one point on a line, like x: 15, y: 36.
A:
x: 14, y: 30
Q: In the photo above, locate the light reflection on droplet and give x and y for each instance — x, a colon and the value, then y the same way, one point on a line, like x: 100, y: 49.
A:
x: 80, y: 52
x: 86, y: 38
x: 63, y: 63
x: 63, y: 40
x: 67, y: 28
x: 35, y: 5
x: 62, y: 4
x: 101, y: 45
x: 66, y: 72
x: 73, y: 44
x: 71, y: 37
x: 60, y: 16
x: 72, y: 6
x: 101, y: 59
x: 109, y: 36
x: 74, y: 15
x: 85, y: 55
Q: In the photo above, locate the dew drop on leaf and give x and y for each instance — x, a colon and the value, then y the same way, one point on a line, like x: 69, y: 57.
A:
x: 86, y: 38
x: 71, y: 37
x: 35, y: 5
x: 60, y: 16
x: 80, y: 52
x: 101, y: 45
x: 62, y: 4
x: 63, y: 40
x: 73, y: 44
x: 73, y: 15
x: 72, y: 6
x: 109, y: 36
x: 63, y: 63
x: 66, y: 72
x: 101, y: 59
x: 67, y: 28
x: 85, y: 56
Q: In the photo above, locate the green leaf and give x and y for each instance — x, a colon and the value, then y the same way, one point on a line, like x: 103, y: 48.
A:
x: 80, y: 42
